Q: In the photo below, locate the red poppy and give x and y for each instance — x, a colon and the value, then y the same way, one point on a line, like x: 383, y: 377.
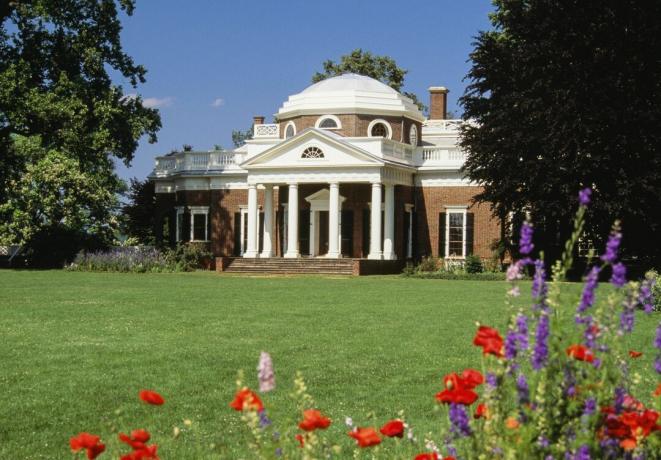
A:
x: 580, y: 352
x: 246, y: 399
x: 490, y: 341
x: 365, y: 437
x: 468, y: 380
x: 301, y: 440
x: 457, y: 396
x: 481, y: 411
x: 151, y: 397
x: 427, y: 456
x: 635, y: 354
x: 629, y: 427
x: 90, y: 442
x: 313, y: 419
x: 137, y: 439
x: 657, y: 392
x: 146, y: 453
x: 394, y: 428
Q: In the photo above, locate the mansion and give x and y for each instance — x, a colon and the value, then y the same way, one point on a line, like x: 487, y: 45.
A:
x: 349, y: 169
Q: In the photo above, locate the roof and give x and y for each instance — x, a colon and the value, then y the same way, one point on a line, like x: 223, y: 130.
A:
x: 349, y: 93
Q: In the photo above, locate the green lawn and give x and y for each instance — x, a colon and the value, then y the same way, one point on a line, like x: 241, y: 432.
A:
x: 77, y: 347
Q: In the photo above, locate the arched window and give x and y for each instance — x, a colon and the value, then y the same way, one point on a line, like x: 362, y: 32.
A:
x: 312, y: 152
x: 290, y: 130
x: 379, y: 128
x: 328, y: 122
x: 413, y: 135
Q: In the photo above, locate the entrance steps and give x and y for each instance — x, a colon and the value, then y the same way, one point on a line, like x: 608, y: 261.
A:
x: 308, y: 266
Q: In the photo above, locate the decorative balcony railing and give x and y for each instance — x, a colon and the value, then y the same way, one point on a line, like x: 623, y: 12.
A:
x: 397, y: 150
x: 266, y: 131
x: 443, y: 125
x: 197, y: 161
x: 440, y: 157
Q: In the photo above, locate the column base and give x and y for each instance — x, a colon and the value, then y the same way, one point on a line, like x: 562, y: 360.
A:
x: 267, y: 254
x: 335, y: 255
x: 250, y: 255
x: 292, y: 255
x: 377, y: 256
x: 389, y: 256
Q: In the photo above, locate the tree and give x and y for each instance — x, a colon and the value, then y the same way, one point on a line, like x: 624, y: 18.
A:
x: 382, y: 68
x: 58, y: 105
x: 140, y: 212
x: 564, y: 95
x: 240, y: 137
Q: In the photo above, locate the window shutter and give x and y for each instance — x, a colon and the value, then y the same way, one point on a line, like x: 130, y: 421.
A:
x: 186, y: 227
x: 304, y: 232
x: 237, y: 234
x: 260, y: 231
x: 470, y: 231
x: 441, y: 234
x: 366, y: 232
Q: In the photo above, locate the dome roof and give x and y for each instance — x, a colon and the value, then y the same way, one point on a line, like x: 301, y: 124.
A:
x: 349, y: 93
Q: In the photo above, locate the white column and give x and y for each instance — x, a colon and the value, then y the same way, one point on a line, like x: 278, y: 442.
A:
x: 267, y: 250
x: 292, y: 224
x: 409, y: 246
x: 375, y: 223
x: 313, y: 233
x: 389, y: 224
x: 334, y: 221
x: 251, y: 250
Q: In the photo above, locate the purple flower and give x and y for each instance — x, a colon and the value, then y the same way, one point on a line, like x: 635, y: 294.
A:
x: 264, y: 420
x: 525, y: 243
x: 541, y: 351
x: 619, y: 276
x: 539, y: 287
x: 612, y: 246
x: 522, y: 329
x: 627, y: 316
x: 522, y: 389
x: 646, y: 298
x: 583, y: 453
x: 514, y: 271
x: 657, y: 339
x: 590, y: 406
x: 492, y: 380
x: 587, y: 298
x: 584, y: 196
x: 510, y: 345
x: 543, y: 441
x: 620, y: 393
x: 657, y: 364
x: 590, y: 333
x: 459, y: 419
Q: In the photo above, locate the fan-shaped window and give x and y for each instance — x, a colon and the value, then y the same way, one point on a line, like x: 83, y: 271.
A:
x: 312, y: 152
x: 413, y: 135
x: 328, y: 122
x: 290, y: 130
x: 379, y: 130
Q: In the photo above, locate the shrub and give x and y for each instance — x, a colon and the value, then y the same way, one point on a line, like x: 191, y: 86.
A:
x: 655, y: 288
x: 136, y: 259
x: 473, y: 264
x: 188, y: 257
x: 428, y: 264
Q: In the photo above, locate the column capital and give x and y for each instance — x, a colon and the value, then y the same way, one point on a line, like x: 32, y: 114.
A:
x: 292, y: 184
x: 376, y: 183
x: 334, y: 183
x: 252, y: 186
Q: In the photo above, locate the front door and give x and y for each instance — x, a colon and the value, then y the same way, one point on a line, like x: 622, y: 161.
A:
x: 323, y: 233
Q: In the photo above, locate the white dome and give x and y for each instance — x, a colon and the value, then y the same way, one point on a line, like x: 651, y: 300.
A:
x: 349, y: 93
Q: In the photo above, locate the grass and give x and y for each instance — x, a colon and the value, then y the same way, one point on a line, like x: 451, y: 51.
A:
x: 77, y: 347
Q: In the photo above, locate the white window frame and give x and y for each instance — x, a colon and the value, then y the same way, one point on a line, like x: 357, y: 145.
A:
x: 413, y: 129
x: 199, y: 210
x: 455, y: 210
x: 179, y: 222
x: 326, y: 117
x: 293, y: 125
x: 384, y: 123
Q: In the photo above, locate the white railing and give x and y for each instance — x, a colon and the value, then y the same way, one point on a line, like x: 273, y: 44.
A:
x: 439, y: 156
x: 443, y: 125
x: 197, y: 161
x: 397, y: 150
x: 267, y: 131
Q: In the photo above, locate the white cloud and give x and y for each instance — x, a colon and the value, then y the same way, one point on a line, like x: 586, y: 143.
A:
x: 155, y: 102
x: 218, y: 102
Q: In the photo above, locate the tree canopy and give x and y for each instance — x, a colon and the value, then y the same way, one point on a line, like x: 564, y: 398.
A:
x: 59, y: 106
x: 566, y: 94
x: 382, y: 68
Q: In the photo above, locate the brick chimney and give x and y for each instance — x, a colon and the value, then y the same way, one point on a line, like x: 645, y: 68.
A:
x: 258, y: 120
x: 438, y: 102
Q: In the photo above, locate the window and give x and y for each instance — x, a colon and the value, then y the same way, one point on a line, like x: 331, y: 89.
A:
x: 413, y: 135
x: 290, y: 130
x: 179, y: 230
x: 199, y: 223
x: 328, y: 122
x: 312, y: 153
x: 379, y: 128
x: 456, y: 222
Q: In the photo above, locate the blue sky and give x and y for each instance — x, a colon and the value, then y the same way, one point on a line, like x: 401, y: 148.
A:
x: 213, y: 65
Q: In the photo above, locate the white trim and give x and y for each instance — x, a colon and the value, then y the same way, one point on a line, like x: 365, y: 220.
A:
x: 199, y: 210
x: 180, y: 210
x: 414, y: 128
x: 337, y: 121
x: 455, y: 209
x: 289, y: 123
x: 384, y: 123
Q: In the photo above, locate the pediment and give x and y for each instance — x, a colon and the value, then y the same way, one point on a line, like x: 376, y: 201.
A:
x: 323, y: 150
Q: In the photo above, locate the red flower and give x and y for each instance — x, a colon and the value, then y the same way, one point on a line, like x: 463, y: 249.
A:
x: 468, y: 380
x: 427, y: 456
x: 313, y: 419
x: 457, y: 396
x: 301, y: 440
x: 635, y: 354
x: 657, y: 392
x: 481, y: 411
x: 365, y: 437
x: 580, y: 352
x: 87, y: 441
x: 151, y: 397
x: 394, y: 428
x: 246, y: 399
x: 137, y: 439
x: 146, y: 453
x: 490, y: 341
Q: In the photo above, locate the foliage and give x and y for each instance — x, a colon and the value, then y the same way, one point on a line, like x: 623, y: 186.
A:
x: 428, y: 264
x: 382, y: 68
x: 139, y: 214
x: 188, y: 256
x: 565, y: 95
x: 457, y: 275
x: 59, y: 107
x: 473, y: 264
x: 240, y: 137
x: 653, y: 275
